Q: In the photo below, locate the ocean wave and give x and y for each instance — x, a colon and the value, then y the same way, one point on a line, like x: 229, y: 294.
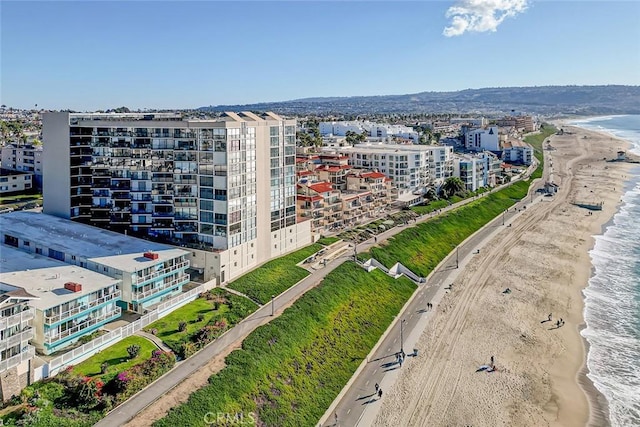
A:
x: 612, y: 303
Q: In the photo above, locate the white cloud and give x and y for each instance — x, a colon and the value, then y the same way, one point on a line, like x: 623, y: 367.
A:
x: 481, y: 15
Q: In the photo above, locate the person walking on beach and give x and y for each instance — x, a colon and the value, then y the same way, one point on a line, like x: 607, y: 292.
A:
x: 377, y: 387
x: 380, y: 394
x: 549, y: 318
x: 491, y: 360
x: 335, y: 417
x: 557, y: 324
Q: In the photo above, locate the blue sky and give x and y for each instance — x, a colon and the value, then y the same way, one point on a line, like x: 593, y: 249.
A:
x: 87, y: 55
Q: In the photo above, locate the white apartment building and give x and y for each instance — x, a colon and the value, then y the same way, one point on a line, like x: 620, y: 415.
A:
x: 195, y: 183
x: 373, y: 130
x: 517, y: 152
x: 413, y: 168
x: 16, y: 354
x: 24, y: 158
x: 147, y: 273
x: 67, y: 301
x: 15, y: 182
x: 473, y: 171
x: 482, y: 139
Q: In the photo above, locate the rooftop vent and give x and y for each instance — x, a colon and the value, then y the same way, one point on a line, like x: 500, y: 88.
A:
x: 73, y: 286
x: 151, y: 255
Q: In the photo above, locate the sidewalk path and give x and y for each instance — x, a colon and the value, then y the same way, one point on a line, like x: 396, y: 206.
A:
x: 129, y: 409
x: 154, y: 339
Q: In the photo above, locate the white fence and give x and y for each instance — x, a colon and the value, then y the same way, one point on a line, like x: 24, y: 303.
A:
x: 87, y: 350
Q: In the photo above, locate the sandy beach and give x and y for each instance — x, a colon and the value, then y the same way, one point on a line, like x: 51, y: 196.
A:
x: 543, y: 259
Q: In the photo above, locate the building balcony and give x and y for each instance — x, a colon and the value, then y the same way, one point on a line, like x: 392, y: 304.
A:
x: 53, y: 318
x: 106, y: 206
x: 181, y: 280
x: 163, y: 214
x: 17, y: 359
x: 155, y: 274
x: 186, y: 228
x: 111, y: 315
x: 17, y: 319
x: 25, y: 335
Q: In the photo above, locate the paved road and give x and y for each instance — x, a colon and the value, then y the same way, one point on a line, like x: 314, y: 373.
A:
x: 125, y: 412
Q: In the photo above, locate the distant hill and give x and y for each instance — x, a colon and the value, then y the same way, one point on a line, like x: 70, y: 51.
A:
x: 545, y: 100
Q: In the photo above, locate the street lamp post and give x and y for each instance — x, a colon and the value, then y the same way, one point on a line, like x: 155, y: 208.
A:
x: 457, y: 255
x: 503, y: 212
x: 402, y: 336
x: 272, y: 297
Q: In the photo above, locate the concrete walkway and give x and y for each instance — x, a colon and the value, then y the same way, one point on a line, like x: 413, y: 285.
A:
x: 154, y: 339
x: 129, y: 409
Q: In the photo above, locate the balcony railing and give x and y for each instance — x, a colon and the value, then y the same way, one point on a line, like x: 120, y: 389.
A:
x: 16, y: 339
x: 159, y: 273
x: 16, y: 319
x: 17, y: 359
x: 137, y: 296
x: 75, y: 310
x: 84, y: 325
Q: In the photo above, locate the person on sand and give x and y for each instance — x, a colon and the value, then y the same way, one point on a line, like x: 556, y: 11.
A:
x: 557, y: 323
x: 380, y: 394
x: 377, y: 387
x: 492, y: 361
x: 549, y: 318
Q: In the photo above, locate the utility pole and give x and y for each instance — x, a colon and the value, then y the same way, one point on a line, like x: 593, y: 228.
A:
x: 457, y: 255
x: 503, y: 212
x: 272, y: 297
x: 402, y: 336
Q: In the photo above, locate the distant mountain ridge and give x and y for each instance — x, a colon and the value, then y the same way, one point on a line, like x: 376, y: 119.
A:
x: 545, y: 100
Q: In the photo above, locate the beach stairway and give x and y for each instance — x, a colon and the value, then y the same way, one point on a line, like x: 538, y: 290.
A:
x: 396, y: 271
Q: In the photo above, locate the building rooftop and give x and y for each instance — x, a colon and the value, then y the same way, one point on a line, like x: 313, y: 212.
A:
x: 244, y: 116
x: 44, y: 278
x: 74, y: 238
x: 390, y: 147
x: 135, y: 261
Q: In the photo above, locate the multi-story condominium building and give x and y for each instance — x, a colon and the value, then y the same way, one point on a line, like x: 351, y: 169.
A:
x: 374, y: 130
x: 14, y: 182
x: 482, y: 139
x: 518, y: 121
x: 321, y: 204
x: 196, y: 183
x: 472, y: 171
x: 16, y: 354
x: 440, y: 163
x: 475, y: 121
x: 333, y: 194
x: 413, y: 168
x: 375, y: 183
x: 67, y: 301
x: 517, y: 152
x: 24, y: 158
x: 147, y: 273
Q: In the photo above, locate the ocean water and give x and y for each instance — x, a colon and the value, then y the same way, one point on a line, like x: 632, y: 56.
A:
x: 612, y: 297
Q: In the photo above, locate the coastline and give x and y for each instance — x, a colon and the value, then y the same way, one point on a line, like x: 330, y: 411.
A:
x: 542, y: 376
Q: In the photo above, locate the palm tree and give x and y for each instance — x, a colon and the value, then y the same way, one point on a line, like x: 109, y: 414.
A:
x: 452, y: 185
